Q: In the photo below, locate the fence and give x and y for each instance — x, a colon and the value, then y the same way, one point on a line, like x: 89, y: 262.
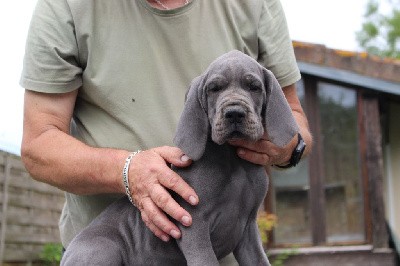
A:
x: 29, y: 213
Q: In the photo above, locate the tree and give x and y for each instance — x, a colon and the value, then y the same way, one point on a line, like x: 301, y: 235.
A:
x: 380, y: 33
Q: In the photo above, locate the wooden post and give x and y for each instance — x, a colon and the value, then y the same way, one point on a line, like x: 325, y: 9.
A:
x: 317, y: 193
x: 374, y: 163
x: 7, y: 168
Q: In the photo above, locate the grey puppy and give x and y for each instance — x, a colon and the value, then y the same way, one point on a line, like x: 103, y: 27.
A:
x: 235, y: 98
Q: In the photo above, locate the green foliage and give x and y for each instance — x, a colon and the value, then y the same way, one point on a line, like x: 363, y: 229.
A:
x: 380, y: 34
x: 51, y: 254
x: 281, y: 258
x: 266, y: 223
x: 372, y: 8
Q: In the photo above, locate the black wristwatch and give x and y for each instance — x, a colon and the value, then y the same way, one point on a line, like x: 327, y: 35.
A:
x: 296, y: 155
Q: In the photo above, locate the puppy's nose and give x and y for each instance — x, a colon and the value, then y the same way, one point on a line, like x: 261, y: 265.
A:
x: 235, y: 114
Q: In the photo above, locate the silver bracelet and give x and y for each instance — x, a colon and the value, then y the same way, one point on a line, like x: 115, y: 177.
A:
x: 125, y: 175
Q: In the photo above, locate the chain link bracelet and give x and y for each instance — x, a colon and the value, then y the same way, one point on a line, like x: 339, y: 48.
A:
x: 125, y: 175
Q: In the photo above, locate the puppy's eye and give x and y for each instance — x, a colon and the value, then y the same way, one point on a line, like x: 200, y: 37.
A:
x: 252, y: 83
x: 213, y: 87
x: 255, y: 86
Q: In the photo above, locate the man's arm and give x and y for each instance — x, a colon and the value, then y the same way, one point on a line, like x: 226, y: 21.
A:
x: 264, y: 152
x: 52, y: 156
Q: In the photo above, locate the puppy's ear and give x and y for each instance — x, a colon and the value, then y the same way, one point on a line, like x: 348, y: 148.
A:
x: 280, y: 123
x: 192, y: 131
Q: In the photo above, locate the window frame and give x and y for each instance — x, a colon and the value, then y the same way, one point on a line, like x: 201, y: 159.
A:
x: 316, y: 198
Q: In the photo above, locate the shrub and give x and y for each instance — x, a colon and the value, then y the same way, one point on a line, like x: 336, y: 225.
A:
x: 51, y: 253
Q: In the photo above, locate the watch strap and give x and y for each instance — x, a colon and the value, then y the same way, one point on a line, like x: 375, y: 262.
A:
x: 296, y: 154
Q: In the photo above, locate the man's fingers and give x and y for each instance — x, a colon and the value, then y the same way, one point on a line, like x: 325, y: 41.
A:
x: 152, y: 177
x: 158, y: 220
x: 174, y: 156
x: 254, y: 157
x: 263, y: 151
x: 174, y: 182
x: 259, y: 146
x: 255, y: 152
x: 164, y: 201
x: 156, y: 231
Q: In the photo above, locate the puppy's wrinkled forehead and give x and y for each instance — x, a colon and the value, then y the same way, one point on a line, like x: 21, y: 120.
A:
x: 235, y: 65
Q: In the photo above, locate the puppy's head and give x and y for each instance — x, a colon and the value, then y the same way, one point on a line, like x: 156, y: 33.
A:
x: 235, y: 98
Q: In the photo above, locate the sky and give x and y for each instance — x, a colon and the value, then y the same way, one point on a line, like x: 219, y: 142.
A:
x: 327, y: 22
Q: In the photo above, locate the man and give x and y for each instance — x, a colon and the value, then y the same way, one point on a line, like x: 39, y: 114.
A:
x: 105, y: 78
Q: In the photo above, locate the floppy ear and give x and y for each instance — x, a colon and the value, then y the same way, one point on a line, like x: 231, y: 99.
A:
x: 192, y: 132
x: 278, y: 118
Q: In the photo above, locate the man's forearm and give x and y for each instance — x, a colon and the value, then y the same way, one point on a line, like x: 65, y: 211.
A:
x: 60, y: 160
x: 298, y: 113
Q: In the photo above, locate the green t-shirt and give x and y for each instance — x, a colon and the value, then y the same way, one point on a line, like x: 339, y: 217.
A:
x: 133, y: 64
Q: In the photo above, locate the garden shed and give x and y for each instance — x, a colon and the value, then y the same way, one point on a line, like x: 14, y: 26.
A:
x: 340, y: 206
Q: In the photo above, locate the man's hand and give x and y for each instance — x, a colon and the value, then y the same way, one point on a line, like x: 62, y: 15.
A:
x: 263, y: 151
x: 150, y: 177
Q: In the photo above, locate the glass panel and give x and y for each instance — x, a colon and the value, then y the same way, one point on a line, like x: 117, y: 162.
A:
x: 341, y: 164
x: 291, y: 189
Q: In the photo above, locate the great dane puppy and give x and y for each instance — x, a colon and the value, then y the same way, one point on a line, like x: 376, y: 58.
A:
x: 235, y: 98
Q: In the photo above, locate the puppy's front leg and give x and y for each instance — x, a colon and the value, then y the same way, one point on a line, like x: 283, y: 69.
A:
x: 250, y: 250
x: 196, y: 245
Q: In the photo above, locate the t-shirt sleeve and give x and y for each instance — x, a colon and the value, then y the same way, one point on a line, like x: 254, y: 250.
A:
x: 51, y: 61
x: 275, y: 46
